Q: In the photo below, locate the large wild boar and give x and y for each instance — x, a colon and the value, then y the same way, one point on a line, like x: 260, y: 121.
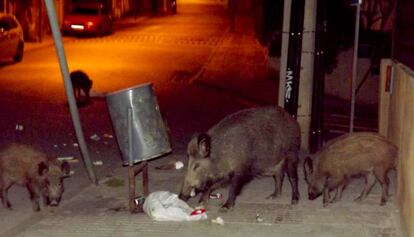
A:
x: 244, y: 145
x: 351, y: 155
x: 26, y: 166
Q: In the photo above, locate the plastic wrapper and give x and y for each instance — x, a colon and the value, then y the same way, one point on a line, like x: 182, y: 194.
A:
x: 166, y: 206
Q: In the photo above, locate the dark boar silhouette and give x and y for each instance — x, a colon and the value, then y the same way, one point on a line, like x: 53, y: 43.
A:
x: 244, y: 145
x: 360, y: 154
x: 81, y: 82
x: 21, y: 164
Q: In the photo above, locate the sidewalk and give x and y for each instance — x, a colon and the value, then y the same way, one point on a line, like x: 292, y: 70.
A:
x: 102, y: 211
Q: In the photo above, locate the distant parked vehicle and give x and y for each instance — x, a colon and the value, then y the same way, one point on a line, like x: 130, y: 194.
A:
x: 88, y: 19
x: 11, y: 38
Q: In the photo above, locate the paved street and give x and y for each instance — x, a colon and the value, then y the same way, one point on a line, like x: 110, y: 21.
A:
x: 201, y: 73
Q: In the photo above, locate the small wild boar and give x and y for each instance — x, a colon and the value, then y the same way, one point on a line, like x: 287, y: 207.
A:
x: 26, y: 166
x: 351, y: 155
x: 244, y: 145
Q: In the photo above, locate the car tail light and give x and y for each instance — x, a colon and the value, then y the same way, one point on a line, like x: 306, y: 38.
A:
x: 89, y: 23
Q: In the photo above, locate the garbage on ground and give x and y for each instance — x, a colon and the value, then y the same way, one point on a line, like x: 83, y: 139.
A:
x: 258, y: 218
x: 71, y: 172
x: 218, y: 221
x: 172, y: 165
x: 166, y: 206
x: 95, y: 137
x: 98, y: 162
x: 216, y: 196
x: 19, y: 127
x: 106, y: 135
x: 75, y: 144
x: 179, y: 165
x: 69, y: 159
x: 139, y: 201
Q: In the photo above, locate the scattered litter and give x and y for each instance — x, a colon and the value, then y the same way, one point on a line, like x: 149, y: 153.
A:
x: 75, y: 144
x: 62, y: 158
x: 172, y: 165
x: 69, y: 159
x: 71, y: 172
x: 258, y: 218
x: 179, y: 165
x: 64, y: 144
x: 19, y: 127
x: 216, y: 196
x: 193, y: 193
x: 55, y: 146
x: 166, y: 206
x: 218, y: 221
x: 106, y: 143
x: 139, y: 201
x: 95, y: 137
x: 98, y: 162
x: 106, y: 135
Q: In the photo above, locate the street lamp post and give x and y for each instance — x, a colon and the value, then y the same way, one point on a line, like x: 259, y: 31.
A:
x: 69, y: 89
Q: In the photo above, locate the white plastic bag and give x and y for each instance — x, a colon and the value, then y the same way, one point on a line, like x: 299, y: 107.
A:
x: 166, y: 206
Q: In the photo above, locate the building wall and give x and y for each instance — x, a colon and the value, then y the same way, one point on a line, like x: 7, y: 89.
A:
x: 397, y: 123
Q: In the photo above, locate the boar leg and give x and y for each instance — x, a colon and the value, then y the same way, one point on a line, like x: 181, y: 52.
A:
x: 4, y: 187
x: 278, y: 176
x: 236, y: 184
x: 331, y: 183
x: 369, y: 183
x: 384, y: 181
x: 338, y: 193
x: 292, y: 171
x: 34, y: 197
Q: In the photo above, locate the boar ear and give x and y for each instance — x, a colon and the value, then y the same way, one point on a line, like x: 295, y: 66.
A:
x: 43, y: 168
x: 204, y: 145
x: 65, y: 168
x: 308, y: 169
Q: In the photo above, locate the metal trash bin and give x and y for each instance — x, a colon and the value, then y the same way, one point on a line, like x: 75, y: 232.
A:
x: 136, y: 119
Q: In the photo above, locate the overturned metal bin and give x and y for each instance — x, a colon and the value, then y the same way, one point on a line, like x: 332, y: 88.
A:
x: 140, y: 132
x: 137, y: 120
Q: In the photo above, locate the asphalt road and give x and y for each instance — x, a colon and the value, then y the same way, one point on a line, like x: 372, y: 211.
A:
x: 165, y: 50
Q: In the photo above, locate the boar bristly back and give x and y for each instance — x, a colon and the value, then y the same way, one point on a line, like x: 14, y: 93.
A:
x: 360, y: 154
x: 244, y: 145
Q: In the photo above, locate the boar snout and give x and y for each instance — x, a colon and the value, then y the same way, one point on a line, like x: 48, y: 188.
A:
x: 313, y: 196
x: 183, y: 197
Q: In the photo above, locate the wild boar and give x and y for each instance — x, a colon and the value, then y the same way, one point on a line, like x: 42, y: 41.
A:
x: 26, y: 166
x: 247, y: 144
x: 360, y: 154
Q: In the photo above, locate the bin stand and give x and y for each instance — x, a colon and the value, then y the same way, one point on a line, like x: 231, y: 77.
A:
x: 132, y: 172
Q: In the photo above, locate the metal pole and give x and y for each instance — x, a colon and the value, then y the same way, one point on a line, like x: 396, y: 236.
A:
x: 316, y: 133
x: 287, y: 5
x: 354, y: 66
x: 68, y: 87
x: 293, y: 66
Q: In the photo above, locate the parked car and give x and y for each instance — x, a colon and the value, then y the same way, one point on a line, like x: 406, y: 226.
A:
x: 11, y: 38
x: 88, y: 19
